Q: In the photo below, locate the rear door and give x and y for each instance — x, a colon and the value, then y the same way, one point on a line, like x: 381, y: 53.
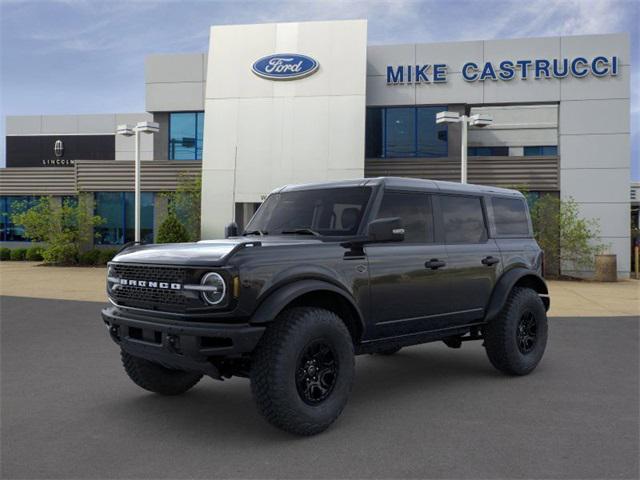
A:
x: 406, y: 294
x: 474, y: 259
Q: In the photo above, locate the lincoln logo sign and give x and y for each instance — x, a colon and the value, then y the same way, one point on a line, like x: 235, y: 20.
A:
x: 505, y: 70
x: 285, y: 66
x: 58, y: 148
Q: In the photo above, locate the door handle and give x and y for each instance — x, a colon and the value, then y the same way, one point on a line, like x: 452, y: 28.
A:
x: 488, y: 261
x: 434, y: 264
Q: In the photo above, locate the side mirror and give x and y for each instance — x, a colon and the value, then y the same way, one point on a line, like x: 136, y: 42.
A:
x: 385, y: 230
x: 231, y: 230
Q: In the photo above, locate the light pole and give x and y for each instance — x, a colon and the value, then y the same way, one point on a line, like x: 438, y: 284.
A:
x: 128, y: 131
x: 477, y: 120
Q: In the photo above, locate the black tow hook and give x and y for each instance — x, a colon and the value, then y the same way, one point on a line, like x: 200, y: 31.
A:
x: 114, y: 331
x: 173, y: 343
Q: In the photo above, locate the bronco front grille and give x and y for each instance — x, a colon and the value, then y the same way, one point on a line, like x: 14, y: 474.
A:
x: 150, y: 273
x: 169, y: 299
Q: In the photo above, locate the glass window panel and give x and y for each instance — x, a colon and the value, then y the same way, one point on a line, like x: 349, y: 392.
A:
x: 414, y: 209
x: 463, y: 219
x: 4, y: 218
x: 109, y: 206
x: 374, y: 131
x: 545, y: 150
x: 199, y: 134
x: 432, y: 138
x: 146, y: 217
x: 510, y: 216
x: 532, y: 151
x: 400, y: 132
x: 13, y: 232
x: 182, y: 136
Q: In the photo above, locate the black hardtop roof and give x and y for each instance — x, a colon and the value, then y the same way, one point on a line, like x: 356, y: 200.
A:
x: 408, y: 183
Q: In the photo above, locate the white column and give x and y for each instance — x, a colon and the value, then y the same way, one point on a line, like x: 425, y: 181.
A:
x: 463, y: 153
x: 137, y: 187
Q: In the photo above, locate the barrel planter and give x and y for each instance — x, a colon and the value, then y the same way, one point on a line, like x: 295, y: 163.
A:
x: 606, y: 268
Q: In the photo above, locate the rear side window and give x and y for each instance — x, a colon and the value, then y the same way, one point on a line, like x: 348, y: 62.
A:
x: 414, y: 209
x: 510, y: 216
x: 463, y: 219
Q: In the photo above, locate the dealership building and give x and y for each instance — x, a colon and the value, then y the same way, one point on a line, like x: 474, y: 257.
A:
x: 274, y: 104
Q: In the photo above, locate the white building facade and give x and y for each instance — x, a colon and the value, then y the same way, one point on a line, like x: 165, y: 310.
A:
x: 273, y: 104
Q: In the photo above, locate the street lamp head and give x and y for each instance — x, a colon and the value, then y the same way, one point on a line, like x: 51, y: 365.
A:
x: 124, y: 129
x: 148, y: 127
x: 447, y: 117
x: 480, y: 120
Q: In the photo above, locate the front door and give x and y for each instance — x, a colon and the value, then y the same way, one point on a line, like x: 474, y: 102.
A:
x: 407, y: 279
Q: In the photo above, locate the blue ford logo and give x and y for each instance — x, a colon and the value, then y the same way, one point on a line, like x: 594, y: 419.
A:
x: 285, y: 66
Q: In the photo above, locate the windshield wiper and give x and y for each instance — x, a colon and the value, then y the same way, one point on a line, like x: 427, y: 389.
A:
x: 254, y: 232
x: 301, y: 231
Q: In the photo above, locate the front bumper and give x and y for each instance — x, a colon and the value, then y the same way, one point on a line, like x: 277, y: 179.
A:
x: 179, y: 344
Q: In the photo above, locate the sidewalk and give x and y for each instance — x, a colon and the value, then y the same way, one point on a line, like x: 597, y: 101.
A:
x: 568, y: 298
x: 30, y: 279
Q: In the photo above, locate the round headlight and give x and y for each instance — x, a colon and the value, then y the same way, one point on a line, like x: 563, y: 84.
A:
x: 215, y: 288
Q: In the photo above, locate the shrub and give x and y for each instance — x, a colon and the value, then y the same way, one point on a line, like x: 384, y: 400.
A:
x: 34, y: 254
x: 18, y: 254
x: 90, y: 257
x: 106, y: 256
x: 64, y: 227
x: 65, y: 254
x: 568, y: 240
x: 172, y: 231
x: 5, y: 254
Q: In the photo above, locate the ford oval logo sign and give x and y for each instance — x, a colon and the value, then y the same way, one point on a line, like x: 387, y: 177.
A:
x: 285, y: 66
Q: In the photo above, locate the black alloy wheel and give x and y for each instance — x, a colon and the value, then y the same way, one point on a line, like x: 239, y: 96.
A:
x: 526, y: 332
x: 302, y: 370
x: 317, y: 372
x: 516, y: 339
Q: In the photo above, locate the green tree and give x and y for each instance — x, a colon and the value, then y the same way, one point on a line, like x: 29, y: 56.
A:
x: 184, y: 203
x: 63, y: 227
x: 172, y: 231
x: 568, y: 240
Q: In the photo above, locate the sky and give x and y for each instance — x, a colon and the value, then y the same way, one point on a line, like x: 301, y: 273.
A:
x: 87, y: 56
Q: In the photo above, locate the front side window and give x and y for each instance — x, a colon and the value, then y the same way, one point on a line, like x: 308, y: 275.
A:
x: 414, y: 210
x: 185, y: 135
x: 510, y: 216
x: 397, y: 132
x: 326, y: 212
x: 117, y: 209
x: 463, y: 219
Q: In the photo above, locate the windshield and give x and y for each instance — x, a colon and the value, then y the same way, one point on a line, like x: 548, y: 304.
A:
x: 326, y: 212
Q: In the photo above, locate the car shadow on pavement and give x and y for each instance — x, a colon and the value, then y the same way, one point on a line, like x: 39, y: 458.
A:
x: 226, y: 409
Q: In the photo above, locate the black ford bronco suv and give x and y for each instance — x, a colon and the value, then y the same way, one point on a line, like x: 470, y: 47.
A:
x: 325, y: 272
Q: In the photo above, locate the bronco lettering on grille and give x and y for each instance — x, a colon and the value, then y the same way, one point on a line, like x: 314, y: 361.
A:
x: 150, y: 284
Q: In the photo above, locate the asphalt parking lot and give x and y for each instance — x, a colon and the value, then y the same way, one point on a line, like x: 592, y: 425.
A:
x: 69, y: 411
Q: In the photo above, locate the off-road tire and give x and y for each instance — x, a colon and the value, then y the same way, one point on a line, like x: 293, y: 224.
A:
x: 501, y: 334
x: 388, y: 351
x: 276, y: 366
x: 156, y: 378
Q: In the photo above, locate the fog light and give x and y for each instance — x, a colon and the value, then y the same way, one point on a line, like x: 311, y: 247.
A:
x: 215, y: 288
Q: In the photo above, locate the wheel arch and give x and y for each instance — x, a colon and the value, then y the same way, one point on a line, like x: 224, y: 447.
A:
x: 517, y: 277
x: 312, y: 293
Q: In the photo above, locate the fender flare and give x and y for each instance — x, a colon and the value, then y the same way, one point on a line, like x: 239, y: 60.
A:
x: 282, y: 296
x: 505, y: 284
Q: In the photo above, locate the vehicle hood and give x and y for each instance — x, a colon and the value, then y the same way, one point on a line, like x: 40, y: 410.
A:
x: 206, y: 252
